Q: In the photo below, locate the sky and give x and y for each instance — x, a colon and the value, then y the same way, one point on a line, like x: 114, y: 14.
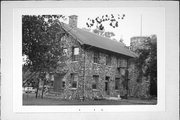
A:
x: 153, y: 21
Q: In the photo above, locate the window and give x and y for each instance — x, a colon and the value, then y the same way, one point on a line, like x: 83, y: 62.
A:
x: 119, y: 70
x: 96, y: 57
x: 64, y: 51
x: 106, y: 87
x: 117, y: 80
x: 108, y: 60
x: 118, y: 62
x: 122, y: 71
x: 95, y: 81
x: 123, y: 63
x: 52, y: 77
x: 75, y: 53
x: 74, y: 80
x: 63, y: 84
x: 107, y: 78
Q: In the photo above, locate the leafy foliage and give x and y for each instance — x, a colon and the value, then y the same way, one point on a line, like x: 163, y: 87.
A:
x: 41, y: 41
x: 112, y: 20
x: 100, y: 22
x: 147, y: 62
x: 41, y: 44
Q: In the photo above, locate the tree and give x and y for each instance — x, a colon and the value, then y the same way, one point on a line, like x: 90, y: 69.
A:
x: 111, y: 19
x: 100, y: 22
x: 147, y: 62
x: 41, y: 43
x: 152, y: 65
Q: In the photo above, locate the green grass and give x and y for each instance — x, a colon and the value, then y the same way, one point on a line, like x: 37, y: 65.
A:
x: 31, y: 100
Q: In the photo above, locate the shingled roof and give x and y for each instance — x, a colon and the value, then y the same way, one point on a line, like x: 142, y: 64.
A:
x: 88, y: 38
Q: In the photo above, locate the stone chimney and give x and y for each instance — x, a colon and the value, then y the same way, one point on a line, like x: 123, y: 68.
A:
x: 73, y: 21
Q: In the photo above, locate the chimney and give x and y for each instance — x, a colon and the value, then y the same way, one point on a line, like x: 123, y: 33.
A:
x: 73, y: 21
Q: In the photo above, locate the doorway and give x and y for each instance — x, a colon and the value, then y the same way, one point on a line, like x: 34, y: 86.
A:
x: 107, y: 85
x: 58, y: 83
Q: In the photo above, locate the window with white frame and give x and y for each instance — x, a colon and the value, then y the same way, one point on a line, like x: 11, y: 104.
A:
x: 75, y: 53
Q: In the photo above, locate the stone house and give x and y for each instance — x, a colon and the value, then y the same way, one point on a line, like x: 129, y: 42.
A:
x: 95, y: 68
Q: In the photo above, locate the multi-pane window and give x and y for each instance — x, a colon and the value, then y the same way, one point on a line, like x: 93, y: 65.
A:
x: 96, y: 57
x: 95, y: 81
x: 108, y: 60
x: 121, y: 62
x: 124, y: 63
x: 74, y: 80
x: 75, y: 53
x: 117, y: 80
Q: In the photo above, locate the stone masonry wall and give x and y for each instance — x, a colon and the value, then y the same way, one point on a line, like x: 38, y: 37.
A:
x: 73, y: 67
x: 137, y: 89
x: 85, y: 74
x: 102, y: 70
x: 84, y: 89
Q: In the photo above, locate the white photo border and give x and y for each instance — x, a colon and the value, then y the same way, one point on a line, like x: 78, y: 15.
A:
x: 17, y: 74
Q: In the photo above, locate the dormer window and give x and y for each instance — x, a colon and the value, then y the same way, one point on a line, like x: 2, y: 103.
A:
x: 75, y: 53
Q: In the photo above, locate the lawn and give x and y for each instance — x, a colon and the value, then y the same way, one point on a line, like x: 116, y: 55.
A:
x: 31, y: 100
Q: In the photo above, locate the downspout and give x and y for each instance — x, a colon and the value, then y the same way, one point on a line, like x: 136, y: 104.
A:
x: 84, y: 73
x: 127, y: 77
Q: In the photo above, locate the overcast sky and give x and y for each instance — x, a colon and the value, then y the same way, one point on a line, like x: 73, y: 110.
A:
x: 152, y: 20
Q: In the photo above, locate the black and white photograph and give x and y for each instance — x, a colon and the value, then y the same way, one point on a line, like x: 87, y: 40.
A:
x: 89, y: 60
x: 107, y: 58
